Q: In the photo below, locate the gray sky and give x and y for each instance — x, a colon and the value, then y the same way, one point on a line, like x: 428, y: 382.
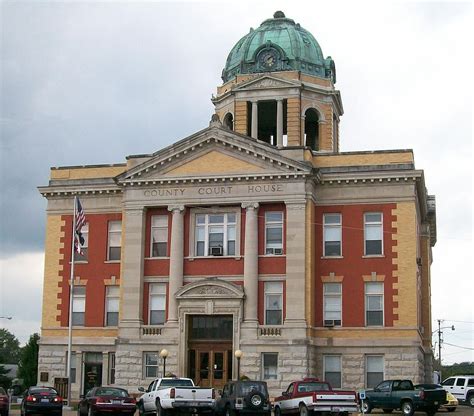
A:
x: 92, y: 82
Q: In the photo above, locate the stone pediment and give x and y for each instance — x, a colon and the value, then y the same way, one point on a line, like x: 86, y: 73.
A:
x: 267, y: 82
x: 213, y: 154
x: 210, y: 288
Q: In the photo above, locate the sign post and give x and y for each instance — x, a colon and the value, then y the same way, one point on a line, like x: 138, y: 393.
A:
x: 362, y: 398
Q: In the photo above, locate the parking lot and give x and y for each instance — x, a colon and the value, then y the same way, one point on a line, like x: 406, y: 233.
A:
x: 460, y: 411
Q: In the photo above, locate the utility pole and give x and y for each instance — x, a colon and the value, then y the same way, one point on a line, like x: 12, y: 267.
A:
x: 439, y: 343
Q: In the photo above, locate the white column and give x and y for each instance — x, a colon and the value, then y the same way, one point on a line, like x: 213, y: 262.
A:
x: 251, y: 261
x: 132, y: 273
x: 254, y: 133
x: 280, y: 123
x: 176, y: 259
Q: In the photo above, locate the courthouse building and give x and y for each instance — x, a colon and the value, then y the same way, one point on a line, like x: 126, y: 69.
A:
x: 255, y: 234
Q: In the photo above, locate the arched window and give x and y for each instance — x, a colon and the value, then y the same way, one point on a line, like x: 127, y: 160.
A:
x: 311, y: 129
x: 229, y: 121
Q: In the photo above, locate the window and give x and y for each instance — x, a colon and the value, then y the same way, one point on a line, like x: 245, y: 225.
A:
x: 332, y: 235
x: 470, y: 382
x: 270, y: 365
x: 78, y: 305
x: 157, y: 304
x: 159, y: 236
x: 373, y: 234
x: 332, y: 304
x: 215, y: 234
x: 273, y: 303
x: 151, y: 364
x: 374, y: 370
x: 84, y: 247
x: 460, y: 382
x: 73, y: 366
x: 111, y: 368
x: 274, y: 232
x: 115, y: 240
x: 374, y: 303
x: 332, y: 370
x: 112, y: 299
x: 448, y: 382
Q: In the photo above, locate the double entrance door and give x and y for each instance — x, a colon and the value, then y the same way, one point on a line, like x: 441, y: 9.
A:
x: 210, y: 349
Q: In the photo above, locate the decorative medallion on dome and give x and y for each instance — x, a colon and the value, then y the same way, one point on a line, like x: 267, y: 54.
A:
x: 279, y: 44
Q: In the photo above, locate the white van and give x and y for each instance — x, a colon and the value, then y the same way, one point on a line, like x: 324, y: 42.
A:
x: 461, y: 387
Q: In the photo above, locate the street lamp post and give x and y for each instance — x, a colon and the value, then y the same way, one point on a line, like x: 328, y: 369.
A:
x: 238, y: 354
x: 163, y: 354
x: 440, y: 339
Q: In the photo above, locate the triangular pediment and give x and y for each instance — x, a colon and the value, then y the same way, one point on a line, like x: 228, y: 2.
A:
x: 267, y: 82
x: 210, y: 154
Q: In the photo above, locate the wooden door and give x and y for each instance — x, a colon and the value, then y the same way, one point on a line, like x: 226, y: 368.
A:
x: 210, y: 365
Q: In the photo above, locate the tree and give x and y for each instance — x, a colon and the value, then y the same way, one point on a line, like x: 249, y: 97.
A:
x: 5, y: 381
x: 28, y: 366
x: 9, y: 347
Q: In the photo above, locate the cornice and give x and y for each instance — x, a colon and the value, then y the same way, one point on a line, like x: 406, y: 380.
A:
x: 328, y: 179
x: 65, y: 190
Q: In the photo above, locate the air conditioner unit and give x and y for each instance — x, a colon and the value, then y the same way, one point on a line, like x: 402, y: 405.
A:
x: 329, y: 323
x: 215, y: 251
x: 278, y: 251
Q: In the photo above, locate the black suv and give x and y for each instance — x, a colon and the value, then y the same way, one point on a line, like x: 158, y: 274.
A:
x: 244, y: 397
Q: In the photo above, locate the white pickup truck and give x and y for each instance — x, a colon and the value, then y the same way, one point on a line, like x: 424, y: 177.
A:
x: 171, y: 395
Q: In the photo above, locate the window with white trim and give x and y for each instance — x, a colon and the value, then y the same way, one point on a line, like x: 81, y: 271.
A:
x: 85, y: 246
x: 332, y: 235
x: 332, y: 370
x: 151, y: 364
x: 269, y: 365
x: 274, y: 232
x: 114, y: 240
x: 78, y: 305
x: 332, y: 302
x: 373, y: 234
x: 157, y: 304
x: 159, y: 236
x: 215, y: 234
x: 374, y: 370
x: 112, y: 300
x: 374, y: 303
x: 111, y: 377
x: 273, y: 303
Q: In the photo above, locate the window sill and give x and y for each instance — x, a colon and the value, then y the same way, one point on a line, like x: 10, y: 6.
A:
x: 112, y: 261
x: 80, y: 262
x: 191, y: 258
x: 272, y: 255
x: 157, y: 258
x: 332, y: 257
x: 373, y: 256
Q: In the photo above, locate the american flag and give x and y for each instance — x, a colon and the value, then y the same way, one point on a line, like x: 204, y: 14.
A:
x: 80, y: 222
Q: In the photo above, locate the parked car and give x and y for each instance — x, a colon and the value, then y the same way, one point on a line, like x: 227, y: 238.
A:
x: 401, y: 394
x: 244, y: 397
x: 164, y: 396
x: 461, y: 387
x: 311, y: 395
x: 41, y: 400
x: 106, y: 400
x: 4, y: 402
x: 451, y: 401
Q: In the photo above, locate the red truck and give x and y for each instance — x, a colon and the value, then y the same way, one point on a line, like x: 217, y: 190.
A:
x: 310, y: 396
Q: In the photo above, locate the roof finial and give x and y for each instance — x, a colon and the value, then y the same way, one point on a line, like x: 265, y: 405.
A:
x: 279, y: 15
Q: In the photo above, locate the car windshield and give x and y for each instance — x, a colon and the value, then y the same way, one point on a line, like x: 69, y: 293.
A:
x: 313, y: 386
x: 175, y: 382
x: 42, y: 390
x: 2, y: 391
x: 250, y: 387
x: 111, y: 392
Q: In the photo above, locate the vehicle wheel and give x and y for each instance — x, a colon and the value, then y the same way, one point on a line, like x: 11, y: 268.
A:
x: 366, y: 407
x: 387, y: 410
x: 141, y: 409
x: 407, y: 408
x: 431, y: 411
x: 451, y: 409
x: 255, y: 400
x: 304, y: 410
x: 90, y: 412
x: 228, y: 411
x: 277, y: 411
x: 159, y: 410
x: 470, y: 400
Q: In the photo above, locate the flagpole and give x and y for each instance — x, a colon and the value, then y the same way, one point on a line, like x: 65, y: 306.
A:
x: 71, y: 289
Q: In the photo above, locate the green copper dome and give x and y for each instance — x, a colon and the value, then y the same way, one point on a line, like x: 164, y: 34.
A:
x: 279, y: 44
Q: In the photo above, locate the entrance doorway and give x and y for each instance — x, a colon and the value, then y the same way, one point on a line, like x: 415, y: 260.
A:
x: 210, y: 350
x: 92, y: 370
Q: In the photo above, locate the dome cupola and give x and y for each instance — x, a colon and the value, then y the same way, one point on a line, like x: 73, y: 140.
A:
x: 279, y: 44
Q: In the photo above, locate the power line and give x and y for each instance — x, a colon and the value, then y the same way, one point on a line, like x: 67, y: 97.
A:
x: 459, y: 346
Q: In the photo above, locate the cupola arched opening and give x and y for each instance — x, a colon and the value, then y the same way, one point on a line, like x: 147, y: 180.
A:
x: 229, y: 121
x: 311, y: 129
